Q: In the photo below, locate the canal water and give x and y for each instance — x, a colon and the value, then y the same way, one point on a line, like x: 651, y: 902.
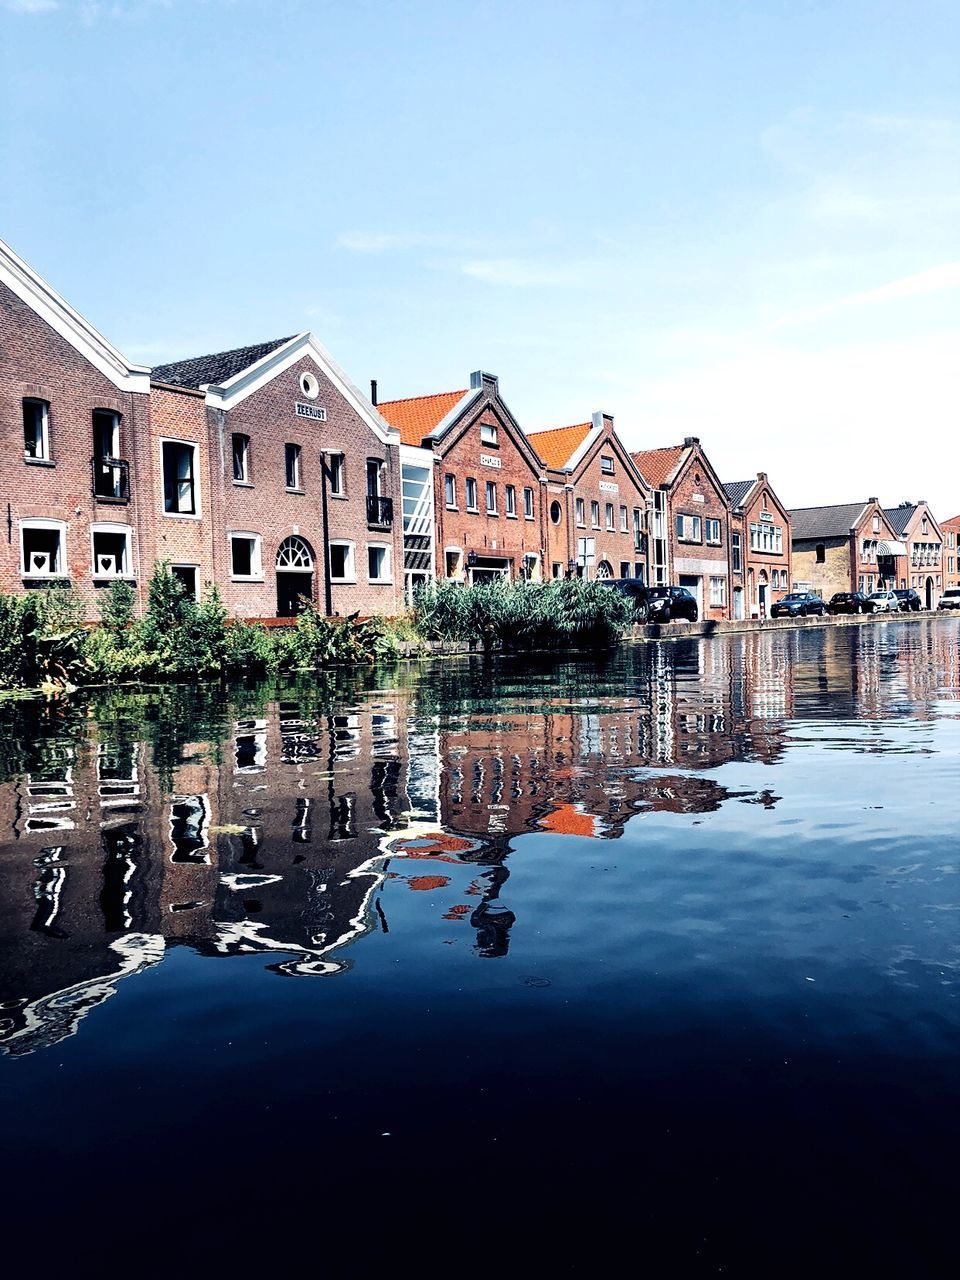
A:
x: 649, y: 960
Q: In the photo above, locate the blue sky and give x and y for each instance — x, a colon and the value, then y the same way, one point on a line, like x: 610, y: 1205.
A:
x: 733, y: 220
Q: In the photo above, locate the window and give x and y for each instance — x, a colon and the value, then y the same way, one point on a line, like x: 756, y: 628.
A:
x: 241, y: 458
x: 822, y: 556
x: 106, y: 433
x: 110, y: 545
x: 595, y: 515
x: 637, y: 527
x: 378, y: 562
x: 528, y: 502
x: 245, y: 556
x: 180, y: 490
x: 374, y: 477
x: 453, y: 562
x: 766, y: 537
x: 471, y: 494
x: 450, y: 491
x: 580, y: 512
x: 736, y: 553
x: 608, y: 513
x: 606, y: 465
x: 876, y: 524
x: 341, y: 562
x: 712, y: 529
x: 338, y: 478
x: 624, y: 568
x: 924, y: 526
x: 687, y: 528
x: 36, y: 430
x: 294, y: 478
x: 491, y: 498
x: 718, y: 593
x: 510, y: 499
x: 488, y: 433
x: 624, y: 520
x: 186, y: 575
x: 42, y: 548
x: 860, y: 582
x: 556, y: 512
x: 556, y: 569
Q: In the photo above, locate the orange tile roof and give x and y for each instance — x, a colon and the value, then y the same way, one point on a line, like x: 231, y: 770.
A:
x: 657, y: 465
x: 416, y: 417
x: 557, y: 445
x: 567, y: 821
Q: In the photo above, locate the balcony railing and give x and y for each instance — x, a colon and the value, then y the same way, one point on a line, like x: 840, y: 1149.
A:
x: 379, y: 511
x: 111, y: 479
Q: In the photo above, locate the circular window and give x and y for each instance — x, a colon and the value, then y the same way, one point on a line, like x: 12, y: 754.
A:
x: 309, y: 386
x: 555, y: 512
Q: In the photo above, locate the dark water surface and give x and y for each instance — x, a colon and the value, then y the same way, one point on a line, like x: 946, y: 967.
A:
x: 650, y: 962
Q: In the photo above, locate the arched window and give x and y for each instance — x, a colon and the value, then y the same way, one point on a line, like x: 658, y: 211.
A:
x: 294, y: 556
x: 604, y: 569
x: 821, y: 553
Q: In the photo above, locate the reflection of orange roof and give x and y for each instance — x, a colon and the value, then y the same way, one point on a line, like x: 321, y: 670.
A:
x: 428, y: 882
x: 568, y: 821
x: 417, y: 417
x: 657, y: 465
x: 558, y: 445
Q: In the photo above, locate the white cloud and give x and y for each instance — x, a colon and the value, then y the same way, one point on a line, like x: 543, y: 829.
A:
x: 520, y: 272
x: 397, y: 241
x: 940, y: 279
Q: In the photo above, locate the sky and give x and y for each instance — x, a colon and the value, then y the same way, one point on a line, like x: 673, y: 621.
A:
x: 739, y: 221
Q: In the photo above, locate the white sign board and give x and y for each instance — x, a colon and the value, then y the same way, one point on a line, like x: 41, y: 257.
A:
x: 487, y: 460
x: 310, y: 411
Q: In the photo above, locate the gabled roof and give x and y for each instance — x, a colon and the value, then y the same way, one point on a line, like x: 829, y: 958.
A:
x: 417, y: 416
x: 214, y: 370
x: 557, y: 445
x: 657, y: 466
x: 737, y: 490
x: 899, y: 517
x: 45, y: 302
x: 826, y: 522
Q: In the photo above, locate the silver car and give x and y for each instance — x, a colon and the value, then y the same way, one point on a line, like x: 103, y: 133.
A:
x: 950, y: 599
x: 883, y: 602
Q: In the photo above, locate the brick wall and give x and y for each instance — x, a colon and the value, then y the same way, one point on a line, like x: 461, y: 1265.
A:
x: 824, y: 577
x: 761, y: 566
x: 696, y: 493
x: 616, y: 488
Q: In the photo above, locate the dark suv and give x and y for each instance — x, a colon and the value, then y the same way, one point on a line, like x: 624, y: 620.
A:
x: 910, y: 602
x: 655, y: 604
x: 848, y: 602
x: 798, y: 604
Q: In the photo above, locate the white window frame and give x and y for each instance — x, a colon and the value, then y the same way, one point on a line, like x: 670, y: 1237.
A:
x: 44, y: 455
x: 387, y: 576
x: 297, y: 487
x: 337, y: 470
x: 189, y: 564
x: 488, y: 433
x: 527, y: 502
x: 580, y: 511
x: 594, y: 514
x: 350, y: 574
x: 707, y: 523
x: 692, y: 528
x: 718, y: 593
x: 256, y: 557
x: 490, y: 491
x: 609, y: 516
x: 510, y: 501
x: 244, y: 478
x: 624, y: 519
x: 470, y: 489
x: 450, y: 491
x: 126, y: 571
x: 606, y: 465
x: 181, y: 515
x: 56, y: 526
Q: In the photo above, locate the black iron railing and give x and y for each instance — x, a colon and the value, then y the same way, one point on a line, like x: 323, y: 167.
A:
x: 379, y: 511
x: 111, y: 479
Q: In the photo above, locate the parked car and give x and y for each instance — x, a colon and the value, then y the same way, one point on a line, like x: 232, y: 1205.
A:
x: 798, y: 604
x: 910, y: 601
x: 950, y: 599
x: 883, y: 602
x: 848, y: 602
x: 656, y: 604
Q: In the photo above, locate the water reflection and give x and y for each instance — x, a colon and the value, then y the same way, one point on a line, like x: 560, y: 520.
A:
x: 273, y: 819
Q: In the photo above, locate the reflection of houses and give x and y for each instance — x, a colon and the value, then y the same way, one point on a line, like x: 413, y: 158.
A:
x: 850, y: 547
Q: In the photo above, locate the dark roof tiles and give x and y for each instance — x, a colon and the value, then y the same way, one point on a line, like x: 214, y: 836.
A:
x: 825, y: 522
x: 737, y: 490
x: 214, y: 369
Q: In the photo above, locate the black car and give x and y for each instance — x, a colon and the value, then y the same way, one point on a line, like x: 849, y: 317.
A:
x: 655, y: 604
x: 848, y: 602
x: 798, y: 604
x: 910, y: 602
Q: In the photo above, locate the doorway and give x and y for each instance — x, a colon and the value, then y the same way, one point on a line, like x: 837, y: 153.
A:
x: 928, y: 594
x: 694, y: 584
x: 738, y: 603
x: 294, y: 576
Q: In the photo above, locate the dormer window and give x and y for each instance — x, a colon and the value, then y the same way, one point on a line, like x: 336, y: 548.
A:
x: 606, y: 465
x: 488, y: 433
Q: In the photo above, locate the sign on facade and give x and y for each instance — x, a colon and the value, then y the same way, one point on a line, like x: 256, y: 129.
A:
x: 607, y: 487
x: 310, y: 411
x: 486, y: 460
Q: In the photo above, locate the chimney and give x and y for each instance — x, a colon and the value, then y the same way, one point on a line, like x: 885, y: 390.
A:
x: 373, y: 391
x: 690, y: 441
x: 871, y: 499
x: 761, y: 475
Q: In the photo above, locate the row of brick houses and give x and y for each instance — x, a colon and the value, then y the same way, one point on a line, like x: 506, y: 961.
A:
x: 266, y: 471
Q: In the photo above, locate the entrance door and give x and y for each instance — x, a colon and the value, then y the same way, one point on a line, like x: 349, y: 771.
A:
x: 929, y: 593
x: 762, y: 599
x: 294, y: 576
x: 694, y: 584
x: 738, y: 603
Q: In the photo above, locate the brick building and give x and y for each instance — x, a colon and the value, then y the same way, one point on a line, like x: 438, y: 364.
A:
x: 489, y: 507
x: 75, y: 417
x: 689, y: 525
x: 303, y: 480
x: 597, y: 502
x: 760, y: 552
x: 848, y: 547
x: 922, y: 567
x: 951, y: 547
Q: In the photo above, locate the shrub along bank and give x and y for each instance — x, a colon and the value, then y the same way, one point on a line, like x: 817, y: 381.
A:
x: 44, y: 642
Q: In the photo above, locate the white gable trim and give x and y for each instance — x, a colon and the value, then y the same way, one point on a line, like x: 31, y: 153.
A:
x: 257, y: 375
x: 445, y: 423
x: 589, y: 440
x: 71, y: 326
